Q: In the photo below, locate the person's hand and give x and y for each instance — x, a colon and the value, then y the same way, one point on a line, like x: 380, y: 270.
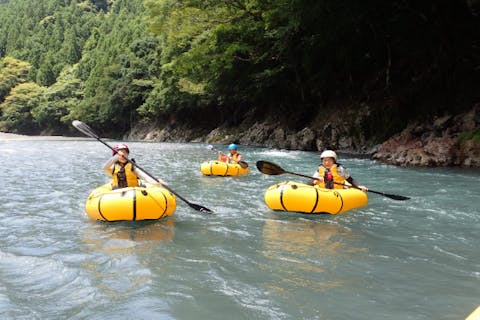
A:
x: 160, y: 182
x: 363, y: 188
x: 318, y: 180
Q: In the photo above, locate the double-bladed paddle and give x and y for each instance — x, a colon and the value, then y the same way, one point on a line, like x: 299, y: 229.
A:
x: 242, y: 164
x: 274, y: 169
x: 89, y: 132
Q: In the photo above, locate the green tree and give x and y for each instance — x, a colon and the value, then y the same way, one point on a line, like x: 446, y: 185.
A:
x: 12, y: 72
x: 55, y: 111
x: 119, y: 66
x: 16, y: 116
x: 48, y: 32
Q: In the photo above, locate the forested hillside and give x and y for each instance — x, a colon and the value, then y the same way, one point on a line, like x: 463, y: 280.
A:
x: 116, y: 64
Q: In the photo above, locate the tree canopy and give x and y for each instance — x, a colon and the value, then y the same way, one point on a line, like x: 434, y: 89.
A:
x: 116, y: 63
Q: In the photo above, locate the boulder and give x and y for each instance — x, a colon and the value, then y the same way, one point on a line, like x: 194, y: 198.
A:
x: 436, y: 143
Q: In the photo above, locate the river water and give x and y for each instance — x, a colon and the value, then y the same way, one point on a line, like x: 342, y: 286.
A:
x: 414, y: 259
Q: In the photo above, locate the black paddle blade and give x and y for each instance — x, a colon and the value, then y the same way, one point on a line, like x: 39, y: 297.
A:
x: 269, y: 168
x: 200, y: 208
x: 398, y: 197
x: 84, y: 128
x: 243, y: 164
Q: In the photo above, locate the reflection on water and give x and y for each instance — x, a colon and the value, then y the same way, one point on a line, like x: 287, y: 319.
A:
x: 119, y: 268
x: 303, y: 237
x: 127, y: 237
x: 304, y: 245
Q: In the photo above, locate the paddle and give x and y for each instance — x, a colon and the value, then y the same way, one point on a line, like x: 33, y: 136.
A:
x: 89, y: 132
x: 242, y: 164
x: 273, y: 169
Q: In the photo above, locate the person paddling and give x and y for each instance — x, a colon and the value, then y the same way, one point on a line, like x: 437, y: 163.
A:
x: 332, y: 175
x: 232, y: 157
x: 125, y: 174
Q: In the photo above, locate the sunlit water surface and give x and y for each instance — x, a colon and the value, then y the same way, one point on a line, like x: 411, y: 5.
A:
x: 415, y: 259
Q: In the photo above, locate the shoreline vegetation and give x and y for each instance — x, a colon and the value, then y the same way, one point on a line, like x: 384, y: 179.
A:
x: 392, y: 80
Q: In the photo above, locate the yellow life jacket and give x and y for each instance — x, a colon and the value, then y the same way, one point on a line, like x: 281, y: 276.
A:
x: 337, y: 181
x: 234, y: 157
x: 230, y: 158
x: 124, y: 176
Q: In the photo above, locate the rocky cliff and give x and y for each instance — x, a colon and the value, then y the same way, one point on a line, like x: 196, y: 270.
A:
x: 444, y: 141
x: 449, y: 140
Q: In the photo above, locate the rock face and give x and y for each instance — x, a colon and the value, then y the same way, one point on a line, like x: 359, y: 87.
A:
x: 329, y: 131
x: 445, y: 141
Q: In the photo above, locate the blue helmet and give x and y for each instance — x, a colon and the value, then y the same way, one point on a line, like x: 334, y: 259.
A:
x: 233, y: 146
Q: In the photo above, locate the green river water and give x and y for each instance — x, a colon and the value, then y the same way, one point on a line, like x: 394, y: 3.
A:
x: 414, y: 259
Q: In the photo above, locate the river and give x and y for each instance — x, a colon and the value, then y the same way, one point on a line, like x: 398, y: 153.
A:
x: 414, y: 259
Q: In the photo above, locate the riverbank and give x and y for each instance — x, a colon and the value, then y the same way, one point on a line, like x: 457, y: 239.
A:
x: 450, y: 140
x: 4, y: 136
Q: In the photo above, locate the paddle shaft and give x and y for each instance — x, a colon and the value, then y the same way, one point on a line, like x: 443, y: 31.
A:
x: 313, y: 178
x: 351, y: 186
x: 273, y: 169
x: 88, y: 131
x: 146, y: 172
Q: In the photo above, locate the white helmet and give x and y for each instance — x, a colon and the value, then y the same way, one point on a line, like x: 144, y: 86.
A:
x: 328, y: 154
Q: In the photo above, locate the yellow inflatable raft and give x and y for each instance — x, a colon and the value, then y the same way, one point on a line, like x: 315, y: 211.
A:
x: 298, y: 197
x: 134, y: 203
x: 218, y: 168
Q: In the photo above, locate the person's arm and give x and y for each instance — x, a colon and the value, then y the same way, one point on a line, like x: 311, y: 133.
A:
x: 316, y: 181
x: 221, y: 157
x: 145, y: 177
x: 354, y: 183
x: 108, y: 166
x: 346, y: 175
x: 239, y: 158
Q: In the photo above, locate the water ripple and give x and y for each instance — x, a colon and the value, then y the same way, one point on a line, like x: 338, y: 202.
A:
x: 415, y: 259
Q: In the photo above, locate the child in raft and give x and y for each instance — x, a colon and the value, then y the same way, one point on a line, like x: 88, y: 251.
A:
x: 332, y: 175
x: 123, y: 172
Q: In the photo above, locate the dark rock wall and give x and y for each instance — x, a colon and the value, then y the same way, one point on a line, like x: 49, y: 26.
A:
x: 438, y: 142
